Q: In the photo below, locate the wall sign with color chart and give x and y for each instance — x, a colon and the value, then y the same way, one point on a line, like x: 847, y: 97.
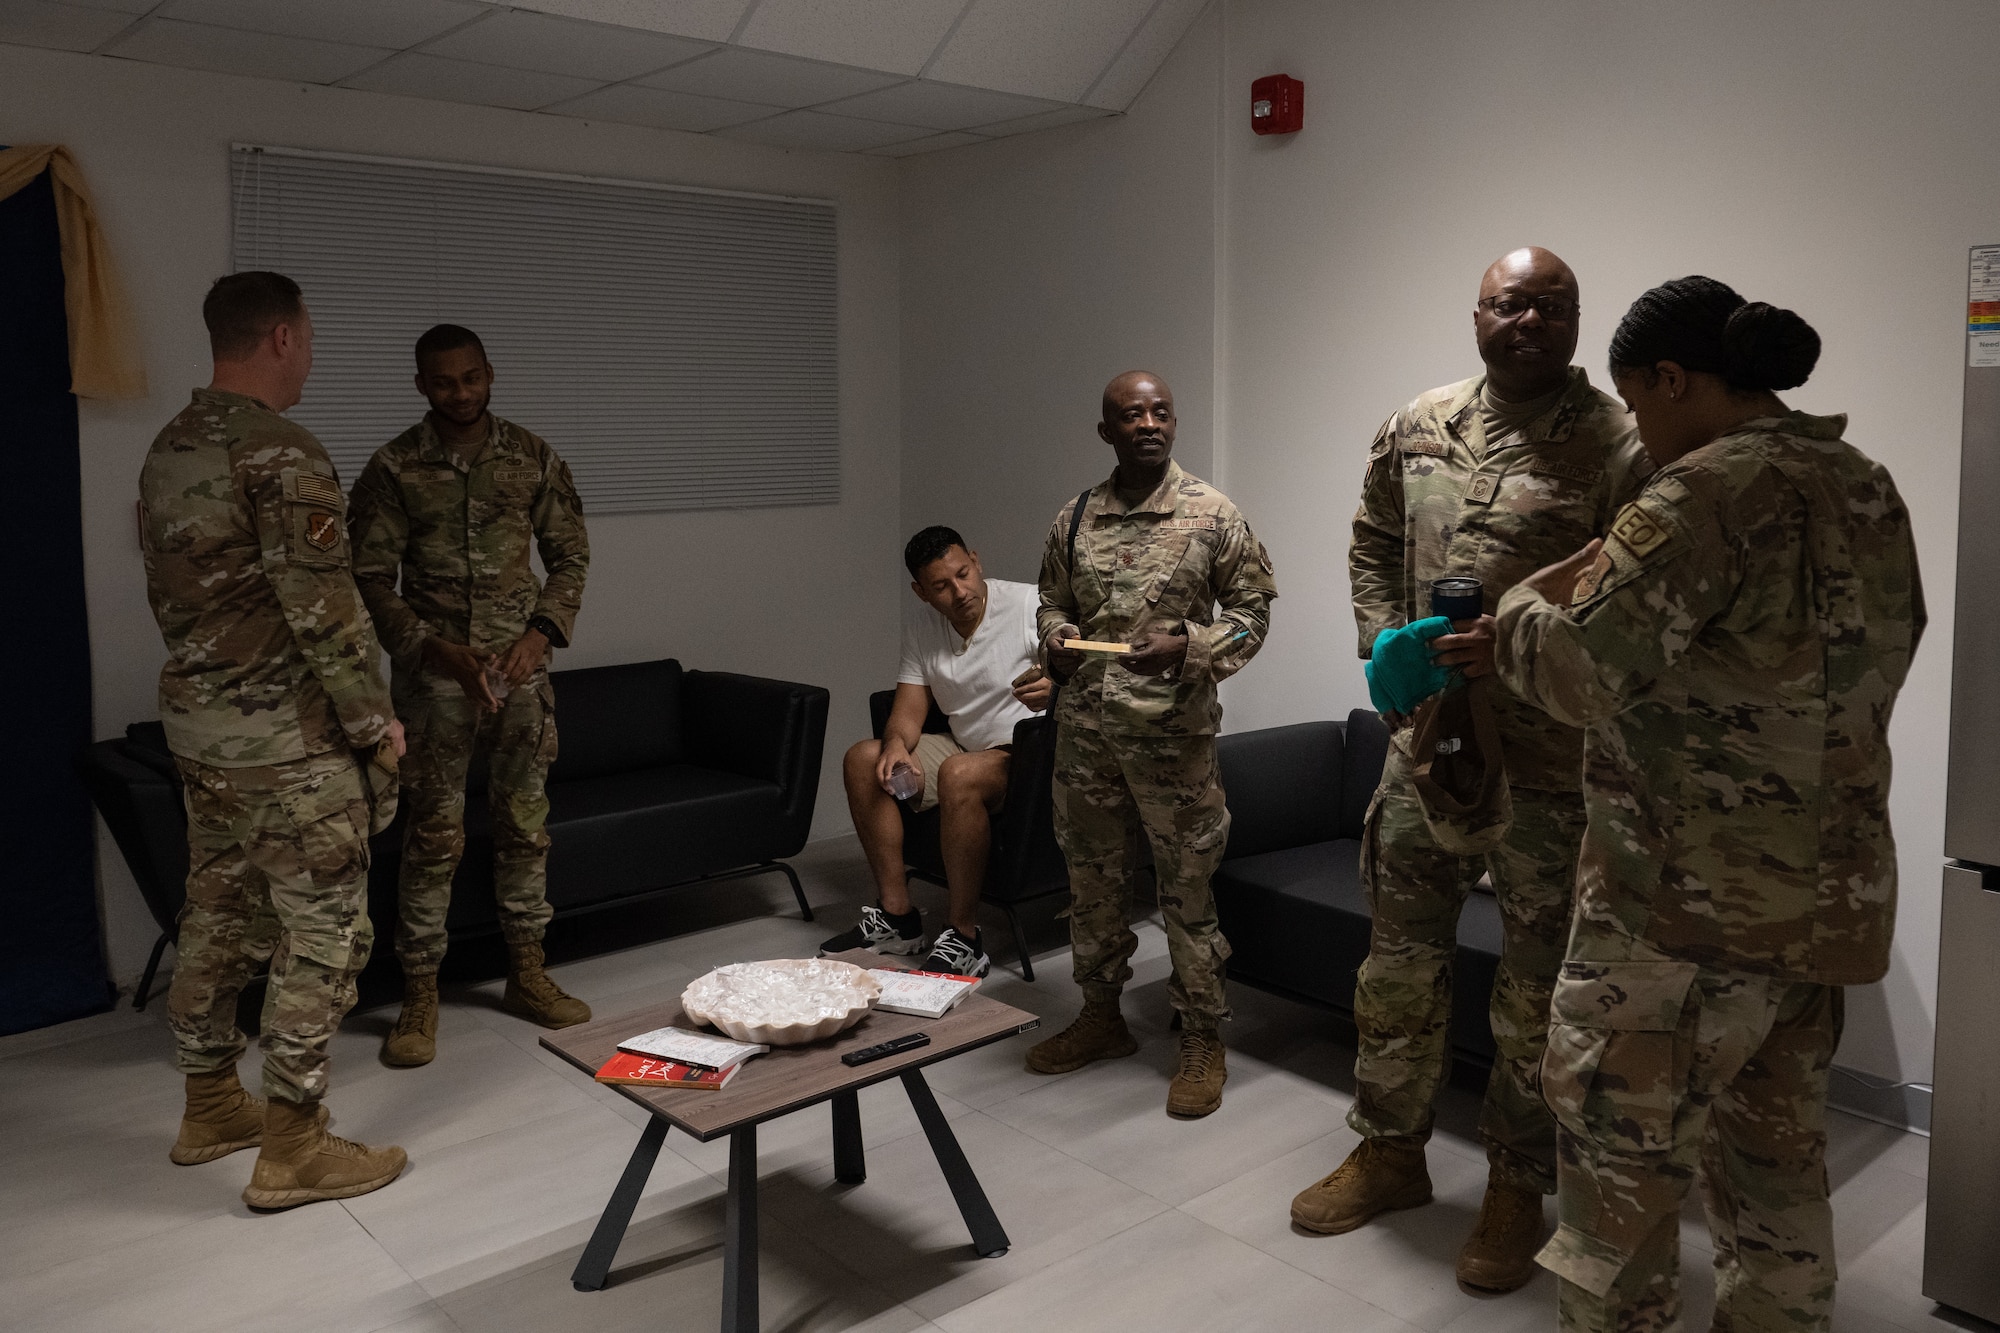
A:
x: 675, y: 345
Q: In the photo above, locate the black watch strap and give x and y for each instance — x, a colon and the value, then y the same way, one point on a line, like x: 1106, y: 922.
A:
x: 547, y: 629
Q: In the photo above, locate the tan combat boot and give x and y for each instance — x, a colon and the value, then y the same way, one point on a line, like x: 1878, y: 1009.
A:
x: 302, y: 1163
x: 1099, y: 1033
x: 1197, y: 1088
x: 1379, y: 1176
x: 1499, y: 1255
x: 413, y: 1041
x: 533, y: 994
x: 220, y: 1119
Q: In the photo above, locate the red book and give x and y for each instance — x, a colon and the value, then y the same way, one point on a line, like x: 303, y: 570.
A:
x: 646, y: 1072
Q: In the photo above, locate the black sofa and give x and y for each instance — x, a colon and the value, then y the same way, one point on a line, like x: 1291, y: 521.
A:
x: 664, y: 777
x: 1289, y: 889
x: 1025, y: 863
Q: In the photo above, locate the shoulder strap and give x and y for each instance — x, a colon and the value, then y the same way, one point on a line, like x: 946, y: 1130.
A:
x: 1076, y: 522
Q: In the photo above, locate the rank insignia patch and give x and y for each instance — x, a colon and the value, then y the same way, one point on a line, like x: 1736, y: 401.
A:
x: 1641, y: 533
x: 323, y: 529
x: 1586, y: 586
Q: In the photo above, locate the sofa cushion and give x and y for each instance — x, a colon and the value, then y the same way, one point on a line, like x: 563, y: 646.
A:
x: 1298, y: 921
x: 1362, y: 756
x: 617, y: 719
x: 1283, y: 785
x: 627, y: 833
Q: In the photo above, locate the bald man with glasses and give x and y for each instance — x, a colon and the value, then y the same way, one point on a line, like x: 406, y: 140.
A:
x: 1490, y: 478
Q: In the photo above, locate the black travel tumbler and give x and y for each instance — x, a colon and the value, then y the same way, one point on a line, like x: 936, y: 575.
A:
x: 1458, y: 598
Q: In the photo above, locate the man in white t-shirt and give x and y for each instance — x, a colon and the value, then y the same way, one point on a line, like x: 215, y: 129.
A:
x: 970, y: 647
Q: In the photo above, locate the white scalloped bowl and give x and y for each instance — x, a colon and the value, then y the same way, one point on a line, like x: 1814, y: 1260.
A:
x: 782, y: 1002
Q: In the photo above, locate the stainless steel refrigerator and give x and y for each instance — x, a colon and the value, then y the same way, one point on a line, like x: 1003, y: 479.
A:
x: 1962, y: 1223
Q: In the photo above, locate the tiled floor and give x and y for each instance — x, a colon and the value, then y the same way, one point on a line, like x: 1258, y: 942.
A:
x: 1120, y: 1217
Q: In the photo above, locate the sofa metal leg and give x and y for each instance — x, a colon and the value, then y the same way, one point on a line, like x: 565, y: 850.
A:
x: 798, y: 891
x: 140, y: 996
x: 1020, y: 942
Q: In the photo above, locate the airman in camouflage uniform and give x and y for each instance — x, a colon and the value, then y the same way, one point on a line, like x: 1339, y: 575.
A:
x: 1135, y: 735
x: 458, y: 524
x: 270, y: 689
x: 1735, y: 651
x: 1453, y: 489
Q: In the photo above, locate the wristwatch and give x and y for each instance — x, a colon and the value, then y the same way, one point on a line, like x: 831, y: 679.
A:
x: 545, y: 627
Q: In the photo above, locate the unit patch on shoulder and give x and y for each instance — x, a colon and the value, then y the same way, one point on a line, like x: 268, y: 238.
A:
x: 323, y: 529
x: 1640, y: 531
x: 315, y: 489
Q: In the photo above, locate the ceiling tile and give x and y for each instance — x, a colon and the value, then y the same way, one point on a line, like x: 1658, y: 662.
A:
x: 815, y: 129
x: 708, y: 20
x: 932, y: 144
x: 521, y: 40
x: 62, y: 27
x: 390, y: 23
x: 756, y: 76
x: 415, y: 74
x: 1047, y: 120
x: 940, y: 106
x: 896, y: 35
x: 629, y: 104
x: 1143, y: 56
x: 232, y: 51
x: 1044, y: 48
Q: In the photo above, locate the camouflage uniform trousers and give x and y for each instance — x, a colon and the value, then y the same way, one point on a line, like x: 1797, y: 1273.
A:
x: 1108, y: 789
x: 444, y: 730
x: 277, y: 872
x: 1657, y: 1069
x: 1402, y: 995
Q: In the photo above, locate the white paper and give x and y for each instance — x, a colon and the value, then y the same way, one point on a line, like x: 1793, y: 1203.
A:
x: 1984, y: 284
x: 691, y: 1048
x: 921, y: 994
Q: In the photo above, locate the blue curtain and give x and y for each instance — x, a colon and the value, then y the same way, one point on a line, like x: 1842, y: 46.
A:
x: 52, y: 959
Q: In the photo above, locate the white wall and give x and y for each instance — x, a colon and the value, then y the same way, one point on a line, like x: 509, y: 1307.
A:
x: 1830, y: 156
x: 1034, y: 270
x: 788, y: 593
x: 1835, y: 157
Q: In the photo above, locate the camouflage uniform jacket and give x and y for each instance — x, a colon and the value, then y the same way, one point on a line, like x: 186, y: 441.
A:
x: 270, y: 655
x: 1164, y: 564
x: 1735, y: 654
x: 460, y: 535
x: 1438, y: 503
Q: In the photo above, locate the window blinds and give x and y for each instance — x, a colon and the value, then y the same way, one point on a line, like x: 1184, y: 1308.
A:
x: 675, y: 346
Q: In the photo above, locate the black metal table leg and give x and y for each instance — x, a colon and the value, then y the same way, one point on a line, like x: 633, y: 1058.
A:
x: 739, y: 1233
x: 850, y: 1162
x: 988, y: 1238
x: 595, y: 1265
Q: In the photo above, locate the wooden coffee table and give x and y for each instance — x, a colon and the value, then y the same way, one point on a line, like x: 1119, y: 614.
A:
x: 785, y: 1080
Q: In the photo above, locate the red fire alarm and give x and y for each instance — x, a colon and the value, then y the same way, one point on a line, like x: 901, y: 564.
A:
x: 1277, y: 104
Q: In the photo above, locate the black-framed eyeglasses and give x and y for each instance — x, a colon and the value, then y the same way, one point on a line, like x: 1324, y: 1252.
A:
x: 1555, y: 309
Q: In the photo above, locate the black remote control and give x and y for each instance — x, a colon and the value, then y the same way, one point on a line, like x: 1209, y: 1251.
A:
x: 894, y: 1046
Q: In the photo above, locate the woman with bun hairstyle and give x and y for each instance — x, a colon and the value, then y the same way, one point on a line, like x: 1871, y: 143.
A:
x: 1733, y: 648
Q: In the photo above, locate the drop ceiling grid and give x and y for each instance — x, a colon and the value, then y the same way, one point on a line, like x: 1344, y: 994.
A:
x: 841, y: 75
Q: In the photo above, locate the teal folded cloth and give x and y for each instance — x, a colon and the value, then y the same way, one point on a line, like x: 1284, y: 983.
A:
x: 1400, y: 671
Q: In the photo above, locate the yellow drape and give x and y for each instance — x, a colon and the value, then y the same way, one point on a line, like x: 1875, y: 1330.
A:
x: 103, y: 350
